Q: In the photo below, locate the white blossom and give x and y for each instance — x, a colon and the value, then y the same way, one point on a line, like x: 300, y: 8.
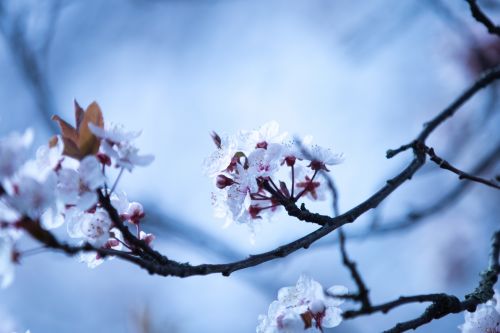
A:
x: 116, y: 143
x: 32, y: 197
x: 91, y: 227
x: 486, y: 318
x: 241, y: 165
x: 303, y: 308
x: 263, y: 163
x: 266, y: 134
x: 93, y: 259
x: 78, y: 187
x: 320, y: 157
x: 221, y: 158
x: 132, y: 212
x: 114, y: 133
x: 6, y: 260
x: 229, y: 203
x: 14, y: 152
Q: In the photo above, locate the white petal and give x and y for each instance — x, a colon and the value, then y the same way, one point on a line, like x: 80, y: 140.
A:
x: 90, y: 172
x: 332, y: 318
x: 86, y: 200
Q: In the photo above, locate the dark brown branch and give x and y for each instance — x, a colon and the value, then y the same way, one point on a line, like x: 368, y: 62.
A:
x: 34, y: 229
x: 443, y: 164
x: 155, y: 263
x: 485, y: 79
x: 445, y: 304
x: 481, y: 17
x: 413, y: 217
x: 386, y: 307
x: 362, y: 295
x: 142, y: 248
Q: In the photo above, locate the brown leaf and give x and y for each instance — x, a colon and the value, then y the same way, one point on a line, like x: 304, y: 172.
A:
x: 67, y: 131
x: 88, y: 142
x: 71, y: 149
x: 79, y: 113
x: 80, y: 141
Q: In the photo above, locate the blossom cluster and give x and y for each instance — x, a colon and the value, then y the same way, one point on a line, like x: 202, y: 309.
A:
x: 60, y: 186
x: 248, y: 171
x: 486, y: 318
x: 305, y: 307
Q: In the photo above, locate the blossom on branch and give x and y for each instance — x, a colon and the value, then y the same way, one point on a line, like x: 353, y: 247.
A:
x: 303, y: 308
x: 249, y: 168
x: 78, y: 187
x: 486, y: 318
x: 116, y: 143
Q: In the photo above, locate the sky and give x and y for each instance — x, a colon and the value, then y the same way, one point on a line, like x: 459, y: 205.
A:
x: 358, y: 77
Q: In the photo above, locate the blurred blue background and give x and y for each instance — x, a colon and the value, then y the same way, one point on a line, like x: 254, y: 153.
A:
x: 361, y: 77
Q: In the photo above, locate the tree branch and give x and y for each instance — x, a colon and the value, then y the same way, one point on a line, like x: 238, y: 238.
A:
x: 386, y: 307
x: 362, y: 295
x: 461, y: 174
x: 445, y: 304
x: 156, y: 263
x: 481, y: 17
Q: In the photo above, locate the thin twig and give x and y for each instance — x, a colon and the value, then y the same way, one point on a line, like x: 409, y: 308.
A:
x: 363, y: 292
x: 443, y: 164
x: 481, y: 17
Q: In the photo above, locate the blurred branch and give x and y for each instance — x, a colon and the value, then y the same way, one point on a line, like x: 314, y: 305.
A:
x: 481, y: 17
x: 31, y: 61
x: 478, y: 56
x: 187, y: 232
x: 362, y: 295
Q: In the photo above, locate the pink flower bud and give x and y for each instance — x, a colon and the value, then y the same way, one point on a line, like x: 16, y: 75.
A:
x: 223, y: 181
x: 104, y: 159
x: 290, y: 160
x: 262, y: 144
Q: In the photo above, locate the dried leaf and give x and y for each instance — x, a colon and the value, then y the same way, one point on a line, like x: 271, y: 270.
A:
x: 88, y: 142
x: 71, y: 149
x: 79, y: 113
x: 80, y: 141
x: 67, y: 131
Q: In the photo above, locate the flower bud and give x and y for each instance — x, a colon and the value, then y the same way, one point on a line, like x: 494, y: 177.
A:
x: 223, y: 181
